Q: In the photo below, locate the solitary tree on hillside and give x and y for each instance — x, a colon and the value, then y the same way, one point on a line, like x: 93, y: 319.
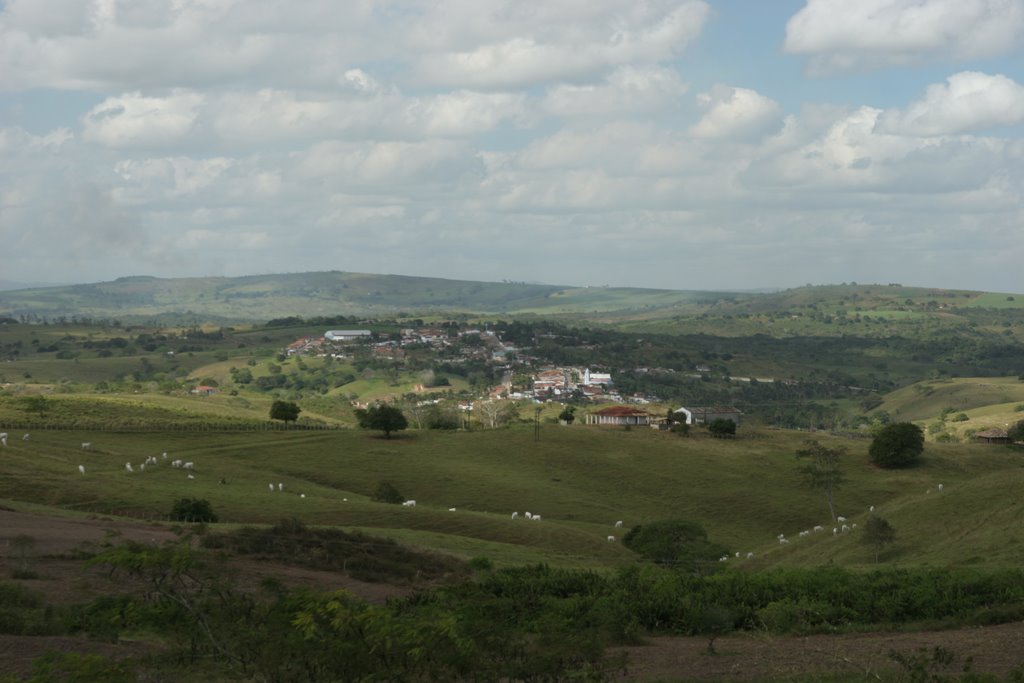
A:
x: 878, y: 533
x: 284, y: 410
x: 383, y: 417
x: 822, y: 470
x: 897, y: 445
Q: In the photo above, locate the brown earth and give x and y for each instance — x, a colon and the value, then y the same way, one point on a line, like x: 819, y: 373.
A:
x: 57, y: 559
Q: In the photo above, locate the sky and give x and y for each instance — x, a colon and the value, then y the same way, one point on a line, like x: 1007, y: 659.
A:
x: 681, y: 144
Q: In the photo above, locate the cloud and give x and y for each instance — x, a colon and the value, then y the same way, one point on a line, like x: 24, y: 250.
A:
x: 853, y: 161
x: 626, y: 90
x: 840, y: 35
x: 56, y: 206
x: 967, y: 102
x: 136, y: 120
x: 734, y: 113
x: 536, y: 48
x: 193, y: 44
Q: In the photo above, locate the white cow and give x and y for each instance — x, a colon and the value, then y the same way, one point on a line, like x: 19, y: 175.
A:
x: 81, y: 468
x: 86, y: 445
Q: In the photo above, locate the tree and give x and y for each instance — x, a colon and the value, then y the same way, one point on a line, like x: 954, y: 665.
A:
x: 722, y: 427
x: 385, y: 492
x: 568, y: 415
x: 193, y: 510
x: 1016, y: 432
x: 495, y: 413
x: 822, y: 470
x: 287, y: 411
x: 675, y: 542
x: 897, y: 445
x: 878, y: 533
x: 383, y: 417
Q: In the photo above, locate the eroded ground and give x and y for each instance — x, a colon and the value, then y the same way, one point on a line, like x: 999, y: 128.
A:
x: 743, y: 657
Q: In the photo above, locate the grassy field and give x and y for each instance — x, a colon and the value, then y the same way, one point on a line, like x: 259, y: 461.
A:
x: 580, y: 479
x: 989, y: 397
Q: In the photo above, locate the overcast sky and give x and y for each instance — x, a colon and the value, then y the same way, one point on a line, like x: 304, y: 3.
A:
x: 655, y: 143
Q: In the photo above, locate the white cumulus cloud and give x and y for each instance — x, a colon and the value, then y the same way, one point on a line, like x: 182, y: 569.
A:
x: 968, y: 101
x: 626, y: 90
x: 134, y: 119
x: 842, y: 34
x: 735, y: 112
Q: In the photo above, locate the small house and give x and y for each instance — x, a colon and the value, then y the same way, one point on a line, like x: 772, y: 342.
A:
x: 995, y: 435
x: 620, y: 416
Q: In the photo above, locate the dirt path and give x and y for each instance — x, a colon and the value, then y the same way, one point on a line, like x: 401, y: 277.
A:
x: 752, y: 657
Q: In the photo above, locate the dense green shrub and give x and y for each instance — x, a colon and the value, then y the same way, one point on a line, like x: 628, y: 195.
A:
x: 722, y: 427
x: 1016, y: 431
x: 897, y: 445
x: 367, y: 558
x: 676, y: 542
x: 385, y: 492
x: 193, y: 510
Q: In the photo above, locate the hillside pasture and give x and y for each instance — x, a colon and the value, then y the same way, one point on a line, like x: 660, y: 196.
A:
x: 580, y: 479
x: 926, y: 400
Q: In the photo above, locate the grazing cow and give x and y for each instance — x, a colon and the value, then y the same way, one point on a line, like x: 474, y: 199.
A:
x: 611, y: 538
x: 86, y: 445
x: 81, y: 468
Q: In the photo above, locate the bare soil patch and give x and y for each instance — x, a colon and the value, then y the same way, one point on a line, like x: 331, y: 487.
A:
x: 742, y: 657
x: 756, y: 657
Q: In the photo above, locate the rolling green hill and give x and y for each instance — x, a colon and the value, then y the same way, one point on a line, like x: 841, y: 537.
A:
x: 264, y: 297
x: 580, y: 479
x: 847, y: 308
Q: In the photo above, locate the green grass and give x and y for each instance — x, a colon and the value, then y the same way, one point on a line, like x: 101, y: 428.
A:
x: 580, y: 479
x: 926, y: 400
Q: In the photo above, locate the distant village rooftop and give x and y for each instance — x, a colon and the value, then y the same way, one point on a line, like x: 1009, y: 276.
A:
x: 346, y: 335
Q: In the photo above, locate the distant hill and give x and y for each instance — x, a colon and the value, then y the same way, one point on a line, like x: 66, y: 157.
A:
x: 7, y: 285
x: 263, y: 297
x: 825, y: 309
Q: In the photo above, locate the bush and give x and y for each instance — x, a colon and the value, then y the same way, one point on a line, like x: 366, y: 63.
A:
x: 193, y: 510
x: 680, y: 428
x: 674, y: 542
x: 1016, y: 432
x: 387, y: 493
x: 897, y: 445
x: 722, y: 427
